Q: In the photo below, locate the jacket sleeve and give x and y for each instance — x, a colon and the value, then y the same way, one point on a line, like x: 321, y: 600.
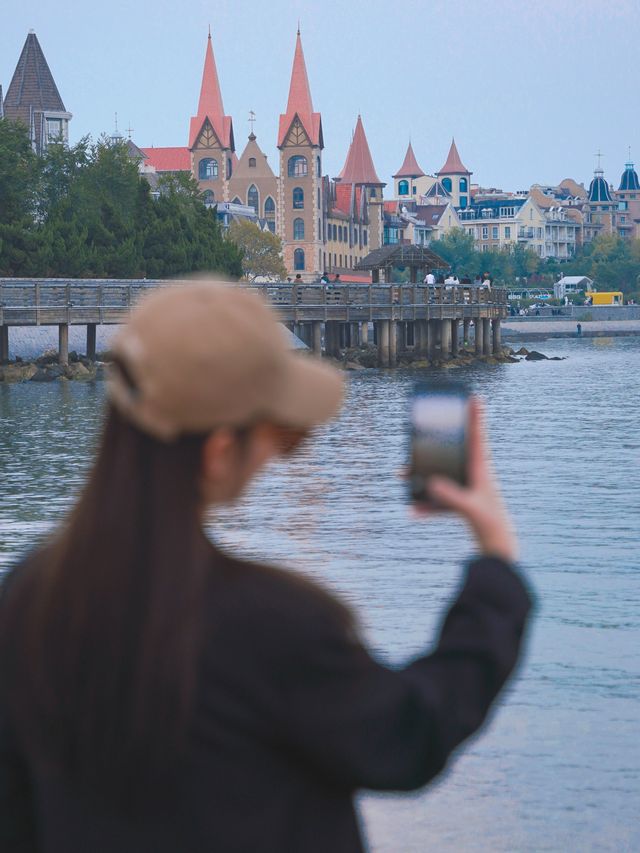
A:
x: 17, y: 820
x: 363, y: 725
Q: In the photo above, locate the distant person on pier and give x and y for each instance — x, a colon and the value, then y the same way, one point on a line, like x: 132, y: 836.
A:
x: 486, y: 281
x: 159, y: 694
x: 429, y: 279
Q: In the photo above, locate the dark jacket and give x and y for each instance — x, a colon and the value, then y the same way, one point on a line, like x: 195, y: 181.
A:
x: 293, y: 717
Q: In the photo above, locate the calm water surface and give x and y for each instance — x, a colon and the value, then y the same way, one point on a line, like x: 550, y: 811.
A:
x: 558, y: 767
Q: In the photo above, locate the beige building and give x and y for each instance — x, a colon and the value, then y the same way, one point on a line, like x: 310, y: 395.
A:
x: 253, y: 183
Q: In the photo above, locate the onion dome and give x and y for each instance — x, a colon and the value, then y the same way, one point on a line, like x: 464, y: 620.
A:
x: 599, y: 188
x: 629, y: 179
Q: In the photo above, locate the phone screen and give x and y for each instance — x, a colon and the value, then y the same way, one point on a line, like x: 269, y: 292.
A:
x: 439, y: 426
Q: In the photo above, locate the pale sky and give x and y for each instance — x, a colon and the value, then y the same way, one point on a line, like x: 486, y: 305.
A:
x: 530, y: 90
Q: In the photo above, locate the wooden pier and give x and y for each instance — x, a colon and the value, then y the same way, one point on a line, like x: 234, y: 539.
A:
x: 431, y: 321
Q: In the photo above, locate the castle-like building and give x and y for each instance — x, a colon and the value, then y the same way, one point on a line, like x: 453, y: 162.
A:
x: 329, y: 224
x: 326, y: 225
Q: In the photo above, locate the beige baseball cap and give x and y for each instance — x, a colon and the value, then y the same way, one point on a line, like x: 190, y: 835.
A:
x: 199, y: 355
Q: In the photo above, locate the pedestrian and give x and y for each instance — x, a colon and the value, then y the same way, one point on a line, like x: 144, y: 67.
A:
x: 579, y: 329
x: 298, y: 279
x: 325, y: 278
x: 336, y: 280
x: 486, y: 281
x: 429, y: 279
x: 158, y: 693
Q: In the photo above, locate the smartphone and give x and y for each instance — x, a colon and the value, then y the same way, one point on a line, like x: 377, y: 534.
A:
x: 439, y: 422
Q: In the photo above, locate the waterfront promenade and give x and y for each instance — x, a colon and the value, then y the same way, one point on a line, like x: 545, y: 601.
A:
x: 428, y: 320
x: 516, y: 328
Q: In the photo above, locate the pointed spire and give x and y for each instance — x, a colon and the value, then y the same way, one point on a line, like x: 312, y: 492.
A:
x: 453, y: 164
x: 358, y: 167
x: 409, y: 168
x: 32, y: 84
x: 210, y: 104
x: 33, y: 92
x: 299, y: 102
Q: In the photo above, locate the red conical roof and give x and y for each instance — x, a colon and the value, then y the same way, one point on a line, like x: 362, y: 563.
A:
x: 210, y: 105
x: 358, y: 167
x: 299, y: 102
x: 454, y: 165
x: 409, y: 168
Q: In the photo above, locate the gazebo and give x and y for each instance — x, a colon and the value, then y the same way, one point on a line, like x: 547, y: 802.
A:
x: 419, y: 259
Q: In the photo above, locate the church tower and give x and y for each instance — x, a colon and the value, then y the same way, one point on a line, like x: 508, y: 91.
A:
x: 300, y: 201
x: 456, y: 178
x: 211, y: 136
x: 365, y: 201
x: 33, y: 98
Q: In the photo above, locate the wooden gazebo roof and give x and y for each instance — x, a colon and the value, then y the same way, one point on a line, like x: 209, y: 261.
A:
x: 401, y: 255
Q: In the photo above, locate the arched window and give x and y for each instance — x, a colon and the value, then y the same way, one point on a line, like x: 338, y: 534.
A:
x: 319, y: 229
x: 403, y: 188
x: 297, y: 166
x: 446, y: 183
x: 252, y: 162
x: 229, y: 167
x: 253, y: 199
x: 318, y: 198
x: 463, y: 185
x: 298, y: 198
x: 269, y: 208
x: 207, y: 169
x: 340, y: 233
x: 318, y: 167
x: 335, y: 232
x: 209, y: 198
x: 364, y: 236
x: 298, y: 259
x: 298, y: 229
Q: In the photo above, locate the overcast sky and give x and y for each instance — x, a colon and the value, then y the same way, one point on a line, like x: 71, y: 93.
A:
x: 530, y: 90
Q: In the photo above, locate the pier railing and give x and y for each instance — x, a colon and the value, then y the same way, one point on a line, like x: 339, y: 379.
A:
x: 33, y: 302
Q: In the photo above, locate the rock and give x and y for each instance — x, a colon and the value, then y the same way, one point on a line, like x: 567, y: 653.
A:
x: 521, y: 351
x: 18, y: 372
x: 73, y: 357
x: 535, y: 356
x: 49, y: 356
x: 78, y: 371
x: 509, y: 359
x: 42, y: 375
x: 557, y: 358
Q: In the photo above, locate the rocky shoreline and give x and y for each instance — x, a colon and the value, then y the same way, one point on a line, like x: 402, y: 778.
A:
x: 47, y: 369
x: 365, y: 357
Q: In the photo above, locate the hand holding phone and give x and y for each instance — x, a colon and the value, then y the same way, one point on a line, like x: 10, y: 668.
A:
x: 476, y: 496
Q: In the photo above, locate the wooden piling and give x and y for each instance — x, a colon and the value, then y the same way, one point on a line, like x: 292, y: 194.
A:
x: 91, y: 341
x: 4, y: 343
x: 63, y: 343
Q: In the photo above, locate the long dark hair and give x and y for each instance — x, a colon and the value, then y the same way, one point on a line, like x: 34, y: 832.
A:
x: 101, y: 626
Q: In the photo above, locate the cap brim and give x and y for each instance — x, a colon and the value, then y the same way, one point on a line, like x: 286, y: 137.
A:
x: 311, y: 395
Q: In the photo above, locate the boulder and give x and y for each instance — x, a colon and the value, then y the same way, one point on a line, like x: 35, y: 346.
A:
x: 78, y: 371
x: 521, y: 351
x: 42, y: 375
x: 535, y: 356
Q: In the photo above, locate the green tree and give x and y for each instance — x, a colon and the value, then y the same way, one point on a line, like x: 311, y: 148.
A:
x: 261, y: 251
x: 458, y: 249
x: 85, y: 211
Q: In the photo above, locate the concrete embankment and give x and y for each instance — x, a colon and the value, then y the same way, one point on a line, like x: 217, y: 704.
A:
x: 533, y: 328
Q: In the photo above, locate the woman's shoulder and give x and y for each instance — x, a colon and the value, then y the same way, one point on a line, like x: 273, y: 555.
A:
x: 267, y: 591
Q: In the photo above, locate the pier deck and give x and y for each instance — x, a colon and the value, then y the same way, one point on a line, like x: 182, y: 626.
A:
x: 327, y: 316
